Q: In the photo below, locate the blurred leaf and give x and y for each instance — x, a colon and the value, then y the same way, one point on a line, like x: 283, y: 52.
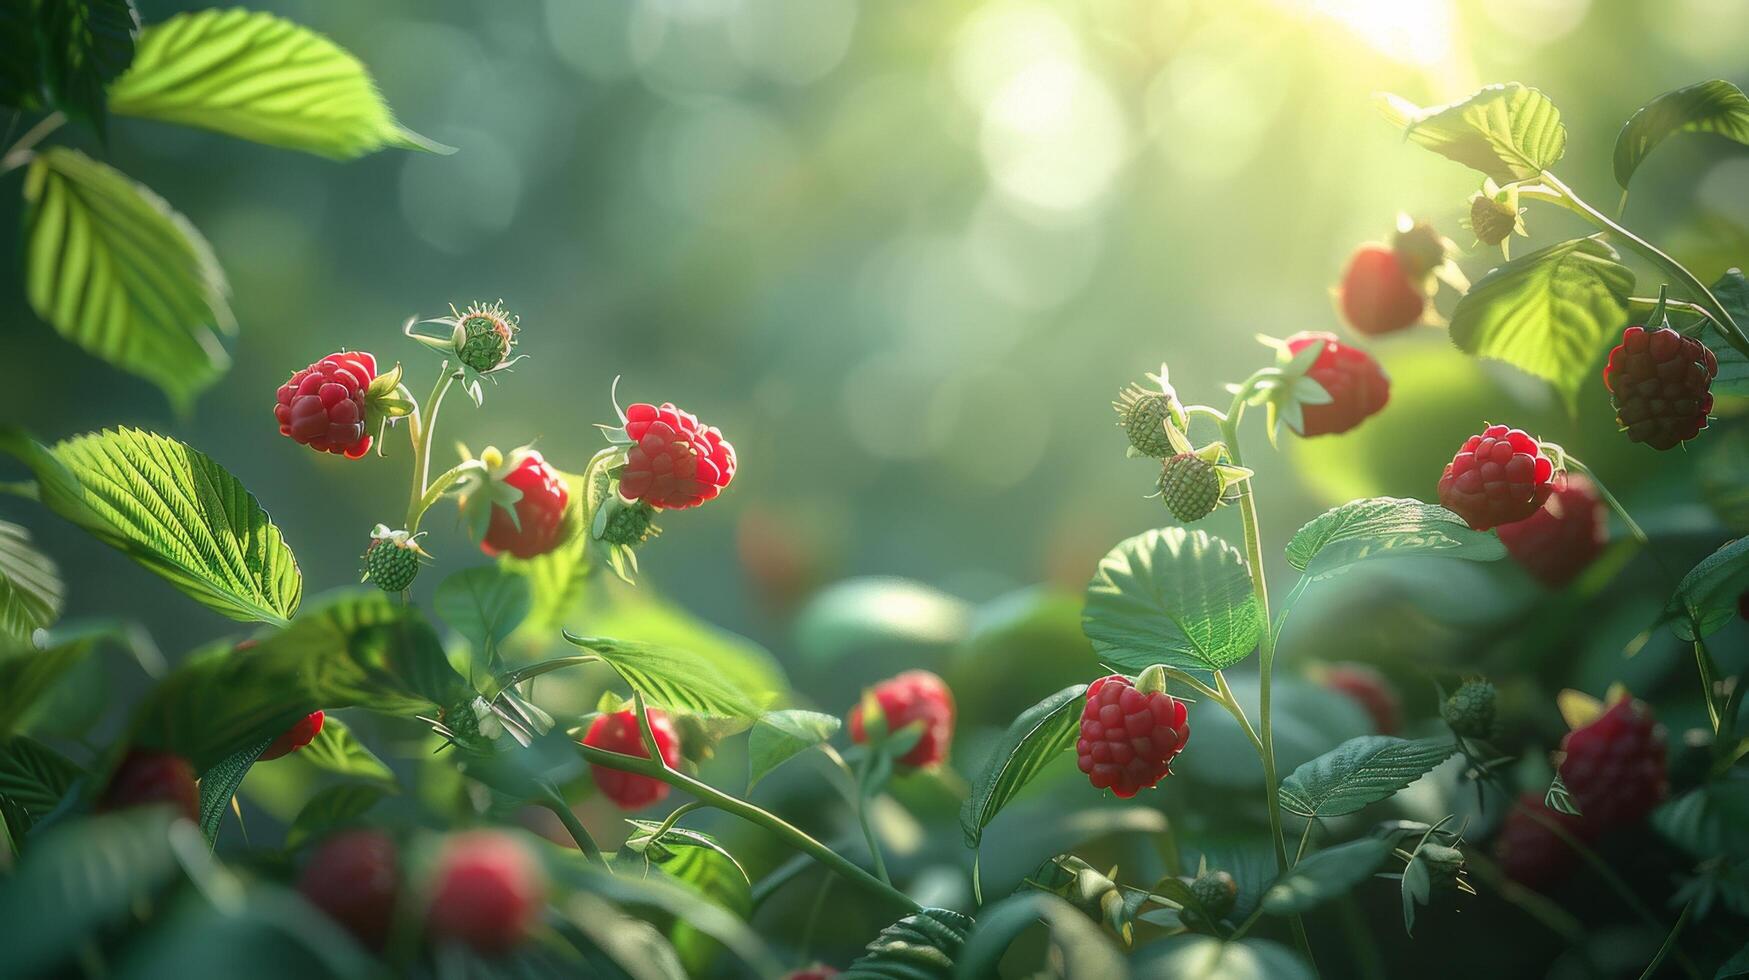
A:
x: 332, y: 808
x: 33, y: 779
x: 1736, y: 966
x: 1547, y: 313
x: 264, y: 932
x: 1360, y: 772
x: 921, y: 946
x: 1386, y: 527
x: 1077, y: 945
x: 31, y: 590
x: 701, y: 863
x: 1732, y: 292
x: 219, y: 782
x: 1508, y: 132
x: 26, y: 673
x: 1039, y: 735
x: 676, y: 900
x: 1172, y: 596
x: 633, y: 948
x: 1708, y: 821
x: 111, y: 267
x: 20, y: 72
x: 1706, y: 598
x: 484, y: 604
x: 885, y: 616
x: 1415, y: 887
x: 259, y: 77
x: 81, y: 46
x: 673, y: 679
x: 335, y: 749
x: 172, y: 510
x: 779, y: 736
x: 1324, y: 875
x: 1708, y: 107
x: 1198, y: 957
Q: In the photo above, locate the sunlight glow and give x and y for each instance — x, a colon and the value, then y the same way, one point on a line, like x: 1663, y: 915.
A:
x: 1414, y: 31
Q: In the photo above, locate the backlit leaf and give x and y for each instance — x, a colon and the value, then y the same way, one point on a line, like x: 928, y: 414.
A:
x: 1172, y: 596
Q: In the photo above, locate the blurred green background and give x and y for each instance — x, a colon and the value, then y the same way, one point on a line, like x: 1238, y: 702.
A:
x: 902, y: 254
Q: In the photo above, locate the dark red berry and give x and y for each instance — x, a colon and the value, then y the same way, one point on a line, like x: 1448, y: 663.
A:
x: 487, y: 891
x: 618, y: 732
x: 354, y: 877
x: 1357, y: 385
x: 146, y: 777
x: 1567, y: 534
x: 674, y: 461
x: 295, y: 737
x: 1661, y: 384
x: 323, y: 407
x: 1743, y: 605
x: 911, y: 697
x: 1128, y: 737
x: 1497, y: 477
x: 819, y: 971
x: 1377, y: 293
x: 539, y: 512
x: 1615, y: 767
x: 1531, y: 853
x: 1371, y: 690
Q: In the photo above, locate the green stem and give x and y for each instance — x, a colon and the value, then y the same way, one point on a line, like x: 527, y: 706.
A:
x: 435, y: 492
x: 579, y: 833
x: 420, y: 430
x: 868, y: 834
x: 1704, y: 664
x: 1669, y: 943
x: 19, y: 153
x: 1224, y: 697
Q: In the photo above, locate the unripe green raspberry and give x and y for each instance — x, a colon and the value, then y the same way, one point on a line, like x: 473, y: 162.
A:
x: 1491, y: 220
x: 392, y: 560
x: 1470, y: 711
x: 631, y: 525
x: 485, y: 336
x: 1443, y: 864
x: 1143, y: 415
x: 1190, y: 486
x: 1217, y: 891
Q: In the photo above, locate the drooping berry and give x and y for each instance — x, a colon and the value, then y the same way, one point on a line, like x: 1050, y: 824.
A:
x: 391, y: 560
x: 1378, y: 294
x: 1497, y: 477
x: 1531, y: 853
x: 618, y: 732
x: 1372, y: 690
x: 354, y: 876
x: 146, y: 777
x: 631, y: 526
x: 529, y: 527
x: 1661, y: 384
x: 323, y: 405
x: 484, y: 337
x: 1564, y: 536
x: 1357, y: 385
x: 1129, y: 737
x: 1142, y: 414
x: 487, y: 891
x: 296, y: 737
x: 1470, y: 709
x: 909, y: 698
x: 1190, y: 487
x: 674, y: 460
x: 1217, y: 891
x: 1615, y: 766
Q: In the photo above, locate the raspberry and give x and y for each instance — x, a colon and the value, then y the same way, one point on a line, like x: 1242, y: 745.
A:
x: 674, y: 461
x: 1190, y: 486
x: 631, y: 526
x: 322, y: 406
x: 819, y: 971
x: 1420, y: 249
x: 295, y: 738
x: 1357, y: 385
x: 1143, y: 415
x: 1470, y: 709
x: 618, y: 732
x: 1377, y: 293
x: 1614, y: 767
x: 391, y: 561
x: 913, y: 696
x: 1661, y: 384
x: 1371, y: 690
x: 147, y: 777
x: 1565, y: 535
x: 530, y: 527
x: 353, y: 876
x: 484, y: 337
x: 1129, y: 737
x: 1217, y: 891
x: 1528, y: 851
x: 487, y: 891
x: 1491, y: 220
x: 1498, y: 477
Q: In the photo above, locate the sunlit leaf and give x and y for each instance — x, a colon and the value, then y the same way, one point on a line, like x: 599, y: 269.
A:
x: 674, y: 679
x: 1716, y: 106
x: 1508, y: 132
x: 335, y: 749
x: 779, y: 736
x: 1038, y: 736
x: 1172, y: 596
x: 1360, y: 772
x: 701, y: 863
x: 31, y: 589
x: 1386, y: 527
x: 485, y: 605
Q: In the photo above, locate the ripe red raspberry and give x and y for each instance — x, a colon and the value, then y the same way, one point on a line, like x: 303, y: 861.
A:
x: 1371, y: 690
x: 674, y: 461
x: 1498, y: 477
x: 1377, y: 294
x: 354, y: 877
x: 487, y: 891
x: 1661, y: 384
x: 1357, y: 385
x: 1528, y: 851
x: 295, y: 737
x: 146, y: 777
x: 322, y: 406
x: 618, y: 732
x: 819, y: 971
x: 1557, y: 542
x: 538, y: 514
x: 913, y: 696
x: 1614, y: 767
x: 1129, y: 737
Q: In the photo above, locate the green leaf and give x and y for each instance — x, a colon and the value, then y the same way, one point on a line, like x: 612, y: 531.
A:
x: 781, y: 735
x: 259, y: 77
x: 1508, y: 132
x: 485, y: 605
x: 616, y: 610
x: 1732, y: 292
x: 174, y: 511
x: 1039, y: 735
x: 675, y: 901
x: 34, y: 779
x: 332, y: 807
x: 702, y: 864
x: 1708, y: 107
x: 1736, y: 966
x: 1327, y: 874
x: 31, y: 590
x: 335, y: 749
x: 1077, y: 945
x: 1706, y: 598
x: 1172, y: 596
x: 1386, y: 527
x: 1547, y: 313
x: 1360, y: 772
x: 26, y: 673
x: 893, y: 617
x: 921, y: 946
x: 1708, y: 821
x: 115, y: 270
x: 219, y: 782
x: 81, y: 46
x: 20, y: 74
x: 673, y: 679
x: 1198, y: 957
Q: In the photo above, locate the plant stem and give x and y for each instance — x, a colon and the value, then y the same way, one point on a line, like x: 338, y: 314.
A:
x: 579, y: 833
x: 420, y: 430
x: 868, y: 834
x: 18, y: 154
x: 1669, y: 943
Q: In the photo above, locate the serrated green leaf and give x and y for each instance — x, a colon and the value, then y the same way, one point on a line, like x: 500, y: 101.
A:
x: 613, y: 609
x: 1706, y: 598
x: 1508, y: 132
x: 485, y: 605
x: 1360, y: 772
x: 81, y: 46
x: 262, y: 78
x: 335, y: 749
x: 779, y: 736
x: 31, y: 590
x: 33, y: 780
x: 1386, y: 527
x: 1547, y: 313
x: 115, y: 270
x: 1172, y: 596
x: 219, y: 782
x: 1324, y: 875
x: 923, y: 945
x: 670, y: 678
x: 26, y: 673
x: 331, y: 808
x: 1039, y: 735
x: 1716, y: 106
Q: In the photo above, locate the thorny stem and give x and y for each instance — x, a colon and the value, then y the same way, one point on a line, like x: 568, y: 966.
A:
x: 420, y: 430
x: 20, y: 153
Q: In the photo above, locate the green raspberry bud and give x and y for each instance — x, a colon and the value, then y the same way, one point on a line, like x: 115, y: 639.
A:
x: 1191, y: 487
x: 631, y: 526
x: 1443, y: 864
x: 391, y: 560
x: 1143, y: 416
x: 1217, y: 891
x: 484, y: 337
x: 1470, y: 711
